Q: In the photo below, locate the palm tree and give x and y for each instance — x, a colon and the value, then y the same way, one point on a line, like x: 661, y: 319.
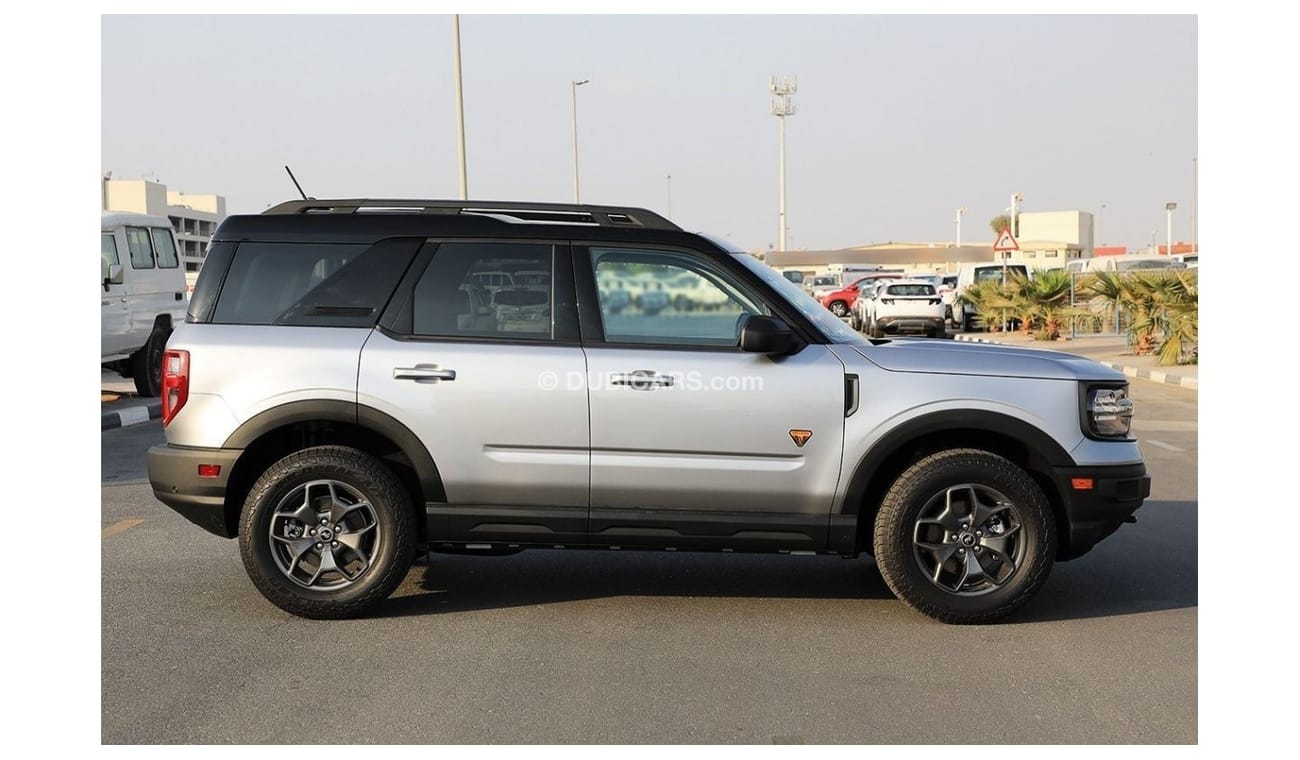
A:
x: 1162, y: 303
x: 1048, y: 299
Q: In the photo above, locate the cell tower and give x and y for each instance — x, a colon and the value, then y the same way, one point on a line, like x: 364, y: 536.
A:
x: 782, y: 90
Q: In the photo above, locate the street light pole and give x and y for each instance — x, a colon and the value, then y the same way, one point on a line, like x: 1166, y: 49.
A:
x: 670, y: 196
x: 960, y: 211
x: 781, y: 108
x: 1169, y: 228
x: 577, y: 194
x: 1015, y: 215
x: 1101, y: 217
x: 460, y: 110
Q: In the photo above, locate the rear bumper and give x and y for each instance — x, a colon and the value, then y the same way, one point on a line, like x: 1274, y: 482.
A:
x: 174, y: 475
x: 1094, y: 513
x: 910, y: 324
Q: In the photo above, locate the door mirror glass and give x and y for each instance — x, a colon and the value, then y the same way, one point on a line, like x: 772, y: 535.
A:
x: 761, y: 334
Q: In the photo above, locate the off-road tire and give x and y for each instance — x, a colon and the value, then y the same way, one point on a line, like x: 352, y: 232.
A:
x: 392, y: 554
x: 146, y: 365
x: 903, y: 502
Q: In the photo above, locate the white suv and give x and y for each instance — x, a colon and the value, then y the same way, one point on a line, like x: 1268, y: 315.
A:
x: 898, y: 306
x: 341, y: 396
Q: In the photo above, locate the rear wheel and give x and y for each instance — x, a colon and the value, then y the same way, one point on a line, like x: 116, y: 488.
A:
x: 327, y: 532
x: 146, y: 364
x: 839, y: 308
x: 965, y: 536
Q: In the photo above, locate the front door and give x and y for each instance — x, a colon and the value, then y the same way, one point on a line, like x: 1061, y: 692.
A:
x: 686, y: 429
x: 114, y: 328
x: 485, y: 368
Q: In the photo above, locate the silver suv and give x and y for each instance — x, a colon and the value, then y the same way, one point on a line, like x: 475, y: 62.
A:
x: 350, y: 388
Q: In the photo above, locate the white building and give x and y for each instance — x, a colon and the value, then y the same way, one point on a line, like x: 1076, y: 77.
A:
x: 1049, y: 239
x: 194, y: 217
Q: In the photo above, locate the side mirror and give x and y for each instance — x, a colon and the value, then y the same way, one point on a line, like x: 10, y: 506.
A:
x: 111, y: 273
x: 766, y: 335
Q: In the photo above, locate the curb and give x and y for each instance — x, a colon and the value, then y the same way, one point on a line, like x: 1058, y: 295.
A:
x: 132, y: 415
x: 1143, y: 373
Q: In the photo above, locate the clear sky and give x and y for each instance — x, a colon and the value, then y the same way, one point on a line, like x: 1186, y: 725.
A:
x: 901, y: 119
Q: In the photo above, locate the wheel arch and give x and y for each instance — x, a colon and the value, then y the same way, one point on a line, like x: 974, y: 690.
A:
x: 273, y: 434
x: 1016, y: 440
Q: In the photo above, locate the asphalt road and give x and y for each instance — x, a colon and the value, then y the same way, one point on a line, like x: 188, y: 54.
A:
x: 575, y: 647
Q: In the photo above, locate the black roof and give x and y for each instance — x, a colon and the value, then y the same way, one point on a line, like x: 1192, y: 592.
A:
x: 363, y: 220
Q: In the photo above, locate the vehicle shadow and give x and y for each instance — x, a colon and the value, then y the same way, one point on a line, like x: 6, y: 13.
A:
x: 1146, y: 567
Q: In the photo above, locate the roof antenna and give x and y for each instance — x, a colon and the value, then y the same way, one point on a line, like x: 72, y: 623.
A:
x: 295, y: 184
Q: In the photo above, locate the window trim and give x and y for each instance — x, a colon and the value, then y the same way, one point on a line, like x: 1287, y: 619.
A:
x: 397, y: 320
x: 153, y: 264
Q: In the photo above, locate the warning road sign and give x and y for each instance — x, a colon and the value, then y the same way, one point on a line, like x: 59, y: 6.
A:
x: 1005, y: 242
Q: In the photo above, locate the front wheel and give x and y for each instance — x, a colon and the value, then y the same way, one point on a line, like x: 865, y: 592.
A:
x: 327, y: 532
x: 965, y: 536
x: 839, y: 308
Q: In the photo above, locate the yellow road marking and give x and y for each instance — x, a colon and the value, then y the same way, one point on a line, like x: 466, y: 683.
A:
x: 119, y: 527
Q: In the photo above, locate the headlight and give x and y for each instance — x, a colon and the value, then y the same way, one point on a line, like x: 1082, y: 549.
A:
x: 1109, y: 412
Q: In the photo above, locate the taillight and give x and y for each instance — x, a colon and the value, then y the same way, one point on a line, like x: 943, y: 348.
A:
x: 175, y: 383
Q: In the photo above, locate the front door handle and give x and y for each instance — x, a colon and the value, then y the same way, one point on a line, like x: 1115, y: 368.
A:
x: 641, y: 379
x: 423, y: 372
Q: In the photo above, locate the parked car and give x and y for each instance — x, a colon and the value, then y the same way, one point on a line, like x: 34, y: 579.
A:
x: 860, y: 314
x: 821, y: 285
x: 948, y: 291
x: 339, y: 400
x: 963, y: 312
x: 906, y: 306
x: 142, y: 295
x: 840, y: 302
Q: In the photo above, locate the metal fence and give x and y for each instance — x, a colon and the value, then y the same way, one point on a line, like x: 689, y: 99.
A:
x: 1105, y: 317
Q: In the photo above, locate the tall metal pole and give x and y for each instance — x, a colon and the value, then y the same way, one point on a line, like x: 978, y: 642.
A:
x: 670, y: 196
x: 460, y: 110
x: 1101, y: 217
x: 577, y: 194
x: 1169, y: 228
x: 1196, y: 247
x: 960, y: 211
x: 781, y: 108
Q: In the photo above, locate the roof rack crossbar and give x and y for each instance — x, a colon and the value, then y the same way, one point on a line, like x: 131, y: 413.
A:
x: 557, y: 213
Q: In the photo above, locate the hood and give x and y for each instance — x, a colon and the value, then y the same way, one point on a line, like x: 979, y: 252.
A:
x: 953, y: 357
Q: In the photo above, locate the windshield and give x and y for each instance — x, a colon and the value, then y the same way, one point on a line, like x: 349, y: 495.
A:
x: 829, y: 324
x: 983, y: 274
x: 1128, y: 266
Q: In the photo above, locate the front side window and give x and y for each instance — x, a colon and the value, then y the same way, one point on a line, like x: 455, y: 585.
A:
x: 663, y: 297
x: 108, y: 249
x: 137, y: 241
x: 486, y: 290
x: 165, y: 248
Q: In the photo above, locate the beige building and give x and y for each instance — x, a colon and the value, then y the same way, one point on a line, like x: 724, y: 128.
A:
x: 1050, y: 239
x: 194, y: 217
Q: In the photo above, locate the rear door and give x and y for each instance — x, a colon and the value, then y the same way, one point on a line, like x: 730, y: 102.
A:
x: 493, y: 381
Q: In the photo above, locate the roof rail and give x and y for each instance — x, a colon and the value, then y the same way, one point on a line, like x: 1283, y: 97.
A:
x: 507, y: 211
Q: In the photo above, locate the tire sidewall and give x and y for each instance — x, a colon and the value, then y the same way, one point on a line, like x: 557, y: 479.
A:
x: 912, y: 493
x: 277, y: 483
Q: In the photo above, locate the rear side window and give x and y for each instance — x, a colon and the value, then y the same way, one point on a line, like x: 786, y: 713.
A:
x: 486, y: 290
x: 164, y: 247
x: 137, y: 240
x: 311, y: 284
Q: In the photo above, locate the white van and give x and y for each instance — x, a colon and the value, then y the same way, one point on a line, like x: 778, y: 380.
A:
x: 963, y: 314
x: 1128, y: 263
x: 142, y: 294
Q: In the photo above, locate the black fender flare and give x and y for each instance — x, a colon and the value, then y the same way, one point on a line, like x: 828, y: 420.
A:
x: 353, y: 413
x: 1039, y: 445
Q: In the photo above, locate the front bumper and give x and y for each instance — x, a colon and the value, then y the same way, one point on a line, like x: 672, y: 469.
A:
x: 174, y: 475
x: 1094, y: 513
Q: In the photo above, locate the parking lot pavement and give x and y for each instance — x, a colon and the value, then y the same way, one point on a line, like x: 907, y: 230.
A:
x: 577, y: 647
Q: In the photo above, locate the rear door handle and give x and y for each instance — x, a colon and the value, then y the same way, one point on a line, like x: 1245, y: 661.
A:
x: 423, y: 372
x: 641, y: 379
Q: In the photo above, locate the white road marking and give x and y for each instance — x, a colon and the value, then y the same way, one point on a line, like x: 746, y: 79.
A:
x: 1163, y: 445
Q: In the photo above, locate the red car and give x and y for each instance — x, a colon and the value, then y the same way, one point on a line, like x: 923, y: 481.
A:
x: 842, y: 300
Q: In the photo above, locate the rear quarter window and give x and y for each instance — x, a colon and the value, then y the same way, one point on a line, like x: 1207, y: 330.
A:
x: 311, y: 284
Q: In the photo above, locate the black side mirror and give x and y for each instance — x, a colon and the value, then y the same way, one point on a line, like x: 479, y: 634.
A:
x: 766, y: 335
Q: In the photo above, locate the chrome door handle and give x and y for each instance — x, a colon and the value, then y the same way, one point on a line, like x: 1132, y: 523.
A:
x: 641, y: 379
x: 423, y: 372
